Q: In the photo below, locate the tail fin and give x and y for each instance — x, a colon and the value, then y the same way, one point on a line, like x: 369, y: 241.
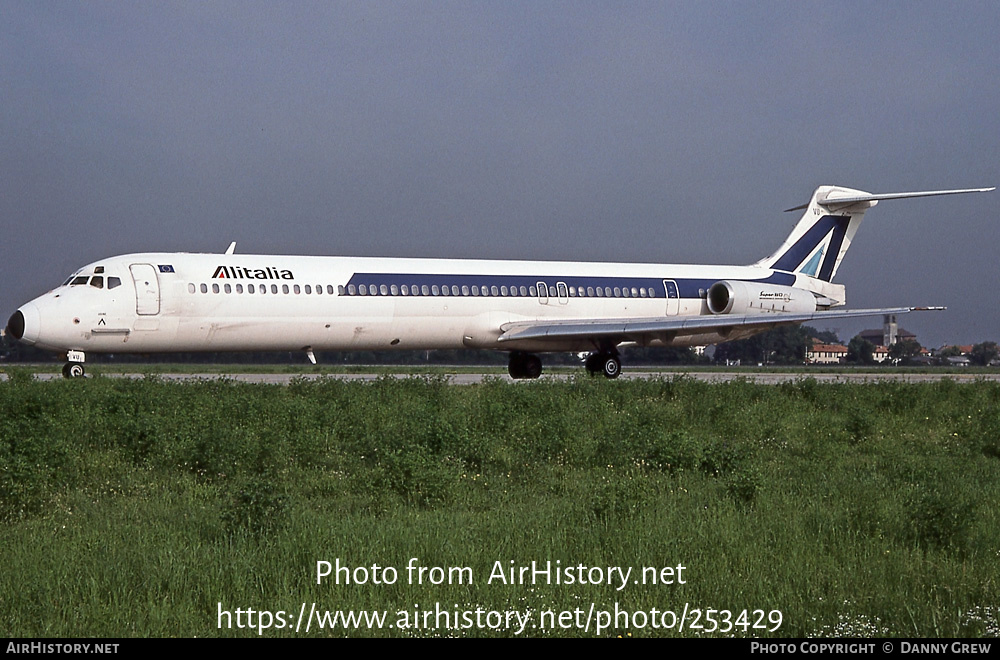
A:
x: 820, y: 240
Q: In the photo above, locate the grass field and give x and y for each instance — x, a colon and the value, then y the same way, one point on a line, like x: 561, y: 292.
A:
x: 136, y: 507
x: 114, y: 368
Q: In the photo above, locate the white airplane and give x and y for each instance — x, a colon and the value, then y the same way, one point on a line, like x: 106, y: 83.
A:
x: 171, y: 302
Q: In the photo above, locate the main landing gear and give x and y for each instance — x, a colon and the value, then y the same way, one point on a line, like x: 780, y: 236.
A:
x: 604, y: 362
x: 524, y: 365
x: 528, y: 365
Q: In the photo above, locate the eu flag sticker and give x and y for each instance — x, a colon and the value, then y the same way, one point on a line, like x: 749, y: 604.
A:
x: 166, y: 268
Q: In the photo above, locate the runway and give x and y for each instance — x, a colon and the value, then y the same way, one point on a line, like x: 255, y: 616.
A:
x: 762, y: 378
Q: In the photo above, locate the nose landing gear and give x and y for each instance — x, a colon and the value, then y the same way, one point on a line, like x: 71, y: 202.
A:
x: 74, y: 365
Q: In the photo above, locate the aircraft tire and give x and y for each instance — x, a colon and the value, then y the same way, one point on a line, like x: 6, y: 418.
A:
x: 73, y: 370
x: 611, y: 366
x: 532, y: 366
x: 524, y: 366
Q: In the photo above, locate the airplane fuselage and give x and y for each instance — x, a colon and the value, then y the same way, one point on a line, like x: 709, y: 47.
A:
x: 157, y: 302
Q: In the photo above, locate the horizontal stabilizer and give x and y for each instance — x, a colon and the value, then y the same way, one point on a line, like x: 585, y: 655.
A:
x: 833, y: 200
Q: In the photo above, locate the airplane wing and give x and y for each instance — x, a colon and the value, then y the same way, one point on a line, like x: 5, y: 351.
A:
x: 623, y: 330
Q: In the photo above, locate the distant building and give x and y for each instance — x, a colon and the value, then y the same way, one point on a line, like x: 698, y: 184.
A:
x: 880, y: 354
x: 820, y: 353
x: 878, y: 336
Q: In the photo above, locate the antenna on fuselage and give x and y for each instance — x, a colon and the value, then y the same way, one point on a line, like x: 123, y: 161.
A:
x: 231, y: 248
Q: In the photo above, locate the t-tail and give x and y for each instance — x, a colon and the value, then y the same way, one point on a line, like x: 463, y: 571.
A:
x: 820, y: 240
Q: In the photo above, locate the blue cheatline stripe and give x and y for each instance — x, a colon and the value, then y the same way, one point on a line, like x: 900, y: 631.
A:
x: 687, y: 287
x: 833, y: 250
x: 803, y: 247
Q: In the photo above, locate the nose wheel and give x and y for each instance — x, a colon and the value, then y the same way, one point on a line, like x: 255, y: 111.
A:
x: 605, y: 363
x: 73, y: 370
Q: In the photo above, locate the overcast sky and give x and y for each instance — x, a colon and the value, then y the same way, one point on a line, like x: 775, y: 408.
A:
x: 655, y: 132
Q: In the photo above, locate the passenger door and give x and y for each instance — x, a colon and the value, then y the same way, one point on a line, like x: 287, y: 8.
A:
x: 673, y: 297
x: 147, y: 289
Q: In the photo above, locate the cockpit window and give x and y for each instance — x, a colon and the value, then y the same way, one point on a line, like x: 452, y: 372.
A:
x: 97, y: 282
x: 114, y: 282
x: 77, y: 281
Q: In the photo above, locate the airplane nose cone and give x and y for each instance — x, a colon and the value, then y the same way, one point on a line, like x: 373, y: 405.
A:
x: 23, y: 324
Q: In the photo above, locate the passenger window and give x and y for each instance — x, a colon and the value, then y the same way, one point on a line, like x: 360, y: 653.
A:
x: 97, y: 282
x: 228, y: 287
x: 309, y: 288
x: 284, y: 288
x: 465, y: 289
x: 274, y: 288
x: 204, y: 288
x: 590, y: 292
x: 296, y: 289
x: 383, y: 289
x: 329, y: 289
x: 215, y: 288
x: 494, y: 291
x: 191, y: 288
x: 239, y: 288
x: 424, y: 290
x: 475, y: 289
x: 394, y: 290
x: 363, y: 289
x: 435, y: 290
x: 250, y: 288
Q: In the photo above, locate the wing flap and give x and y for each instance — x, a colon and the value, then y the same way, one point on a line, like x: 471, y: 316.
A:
x: 632, y: 329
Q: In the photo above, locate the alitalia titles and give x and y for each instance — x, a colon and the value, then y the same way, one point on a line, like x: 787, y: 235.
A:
x: 239, y: 272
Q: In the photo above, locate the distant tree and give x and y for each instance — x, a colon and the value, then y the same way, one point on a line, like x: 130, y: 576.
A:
x: 860, y: 351
x: 784, y: 345
x: 949, y: 351
x: 903, y: 352
x: 984, y: 353
x: 666, y: 355
x: 825, y: 336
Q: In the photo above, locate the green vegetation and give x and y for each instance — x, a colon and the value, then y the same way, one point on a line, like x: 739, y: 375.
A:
x: 133, y: 507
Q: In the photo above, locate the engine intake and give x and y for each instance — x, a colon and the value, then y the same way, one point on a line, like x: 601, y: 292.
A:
x: 738, y: 297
